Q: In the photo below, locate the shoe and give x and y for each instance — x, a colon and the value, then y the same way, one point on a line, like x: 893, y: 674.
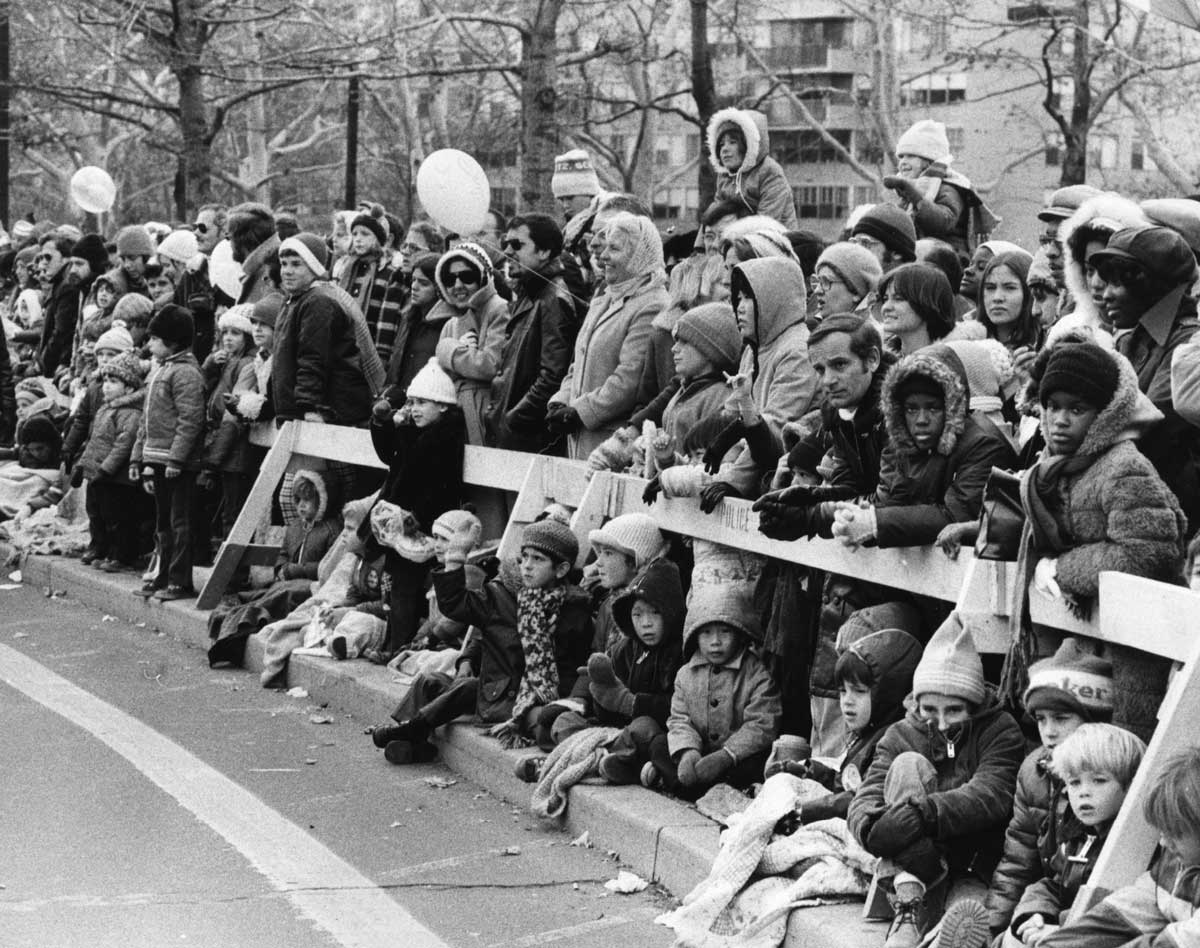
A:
x: 109, y: 566
x: 147, y: 589
x: 337, y: 645
x: 529, y: 769
x: 908, y: 902
x: 89, y: 556
x: 964, y: 925
x: 173, y: 592
x: 650, y: 776
x: 618, y: 769
x: 98, y: 562
x: 410, y: 752
x: 384, y: 734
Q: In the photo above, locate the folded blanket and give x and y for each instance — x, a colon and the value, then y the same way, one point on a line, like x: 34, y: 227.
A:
x: 573, y: 760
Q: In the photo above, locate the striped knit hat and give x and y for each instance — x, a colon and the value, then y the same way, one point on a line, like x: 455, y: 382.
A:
x: 951, y: 665
x: 1071, y: 680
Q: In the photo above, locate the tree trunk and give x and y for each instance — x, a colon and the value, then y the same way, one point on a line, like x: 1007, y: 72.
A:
x: 196, y: 155
x: 1075, y: 140
x: 539, y: 108
x: 704, y: 91
x: 352, y: 95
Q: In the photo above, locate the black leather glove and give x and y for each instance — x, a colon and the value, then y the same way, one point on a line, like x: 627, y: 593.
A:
x: 563, y: 420
x: 653, y: 489
x: 77, y: 476
x: 720, y: 445
x: 382, y: 410
x: 900, y: 826
x: 714, y: 493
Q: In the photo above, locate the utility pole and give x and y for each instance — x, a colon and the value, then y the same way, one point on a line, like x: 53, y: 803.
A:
x: 5, y: 124
x: 352, y: 102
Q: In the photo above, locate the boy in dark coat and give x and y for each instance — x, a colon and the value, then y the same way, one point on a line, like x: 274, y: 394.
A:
x: 939, y: 791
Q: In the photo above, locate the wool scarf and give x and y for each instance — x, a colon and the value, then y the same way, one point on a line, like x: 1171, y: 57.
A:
x: 537, y: 619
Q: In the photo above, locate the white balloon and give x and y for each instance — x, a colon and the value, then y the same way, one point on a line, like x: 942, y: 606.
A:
x: 93, y: 189
x: 454, y: 190
x: 225, y: 272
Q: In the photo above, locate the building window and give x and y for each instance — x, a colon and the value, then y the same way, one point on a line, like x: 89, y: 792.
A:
x: 505, y: 200
x: 1137, y: 157
x: 865, y: 194
x: 957, y: 137
x: 1028, y: 12
x: 934, y: 89
x: 807, y: 147
x: 1102, y: 152
x: 921, y: 37
x: 1053, y: 156
x: 806, y: 43
x: 662, y: 157
x: 824, y: 202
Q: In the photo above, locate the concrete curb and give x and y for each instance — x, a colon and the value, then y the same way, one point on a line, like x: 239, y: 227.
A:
x: 661, y: 839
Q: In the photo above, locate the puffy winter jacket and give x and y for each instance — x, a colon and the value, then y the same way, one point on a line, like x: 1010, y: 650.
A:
x: 306, y: 542
x: 759, y: 183
x: 172, y: 427
x: 424, y: 466
x: 114, y: 431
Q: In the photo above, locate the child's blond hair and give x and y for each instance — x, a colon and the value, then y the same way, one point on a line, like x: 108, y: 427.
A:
x: 1173, y: 802
x: 1099, y: 748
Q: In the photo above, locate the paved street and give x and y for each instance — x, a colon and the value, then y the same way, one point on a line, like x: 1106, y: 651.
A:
x: 147, y: 800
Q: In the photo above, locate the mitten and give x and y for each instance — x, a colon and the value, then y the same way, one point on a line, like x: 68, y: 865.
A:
x: 653, y: 489
x: 683, y: 480
x: 382, y: 410
x: 77, y: 476
x: 685, y: 770
x: 854, y: 526
x: 613, y: 454
x: 900, y: 826
x: 608, y: 691
x: 712, y: 767
x: 1045, y: 577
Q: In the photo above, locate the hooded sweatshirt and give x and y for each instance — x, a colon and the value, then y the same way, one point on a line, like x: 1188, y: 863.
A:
x: 922, y: 490
x: 759, y: 182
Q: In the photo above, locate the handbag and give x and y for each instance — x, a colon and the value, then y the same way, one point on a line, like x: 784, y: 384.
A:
x: 1001, y: 518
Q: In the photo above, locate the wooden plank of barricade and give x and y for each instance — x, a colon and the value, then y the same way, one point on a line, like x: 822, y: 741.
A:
x: 1162, y: 619
x: 257, y: 505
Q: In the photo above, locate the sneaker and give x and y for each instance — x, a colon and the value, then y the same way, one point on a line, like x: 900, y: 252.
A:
x: 651, y: 776
x: 173, y: 592
x: 410, y: 752
x: 529, y: 769
x: 964, y: 925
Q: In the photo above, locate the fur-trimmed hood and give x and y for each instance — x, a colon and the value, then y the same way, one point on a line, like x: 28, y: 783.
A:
x: 1127, y: 417
x: 1110, y: 211
x: 471, y: 254
x: 940, y: 364
x: 780, y: 296
x: 318, y: 482
x: 752, y: 125
x: 659, y: 586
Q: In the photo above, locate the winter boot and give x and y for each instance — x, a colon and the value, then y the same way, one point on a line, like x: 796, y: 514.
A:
x: 908, y: 902
x: 965, y: 925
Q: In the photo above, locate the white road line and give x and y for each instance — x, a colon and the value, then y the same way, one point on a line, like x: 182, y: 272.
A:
x: 323, y: 887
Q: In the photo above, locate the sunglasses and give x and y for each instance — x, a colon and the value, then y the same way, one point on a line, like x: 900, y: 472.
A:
x: 465, y: 277
x: 44, y: 258
x: 200, y: 229
x: 512, y: 244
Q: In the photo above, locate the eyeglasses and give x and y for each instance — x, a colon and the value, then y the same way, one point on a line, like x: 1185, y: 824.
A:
x: 826, y: 284
x: 44, y: 258
x: 465, y: 277
x: 409, y: 247
x: 864, y: 241
x: 512, y: 244
x: 1040, y: 291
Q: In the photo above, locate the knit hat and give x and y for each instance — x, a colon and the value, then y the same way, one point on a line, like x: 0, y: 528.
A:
x: 266, y: 310
x: 132, y: 306
x: 115, y: 339
x: 892, y: 227
x: 134, y: 241
x: 989, y: 367
x: 712, y: 328
x: 1083, y: 369
x: 872, y: 619
x: 21, y: 230
x: 1065, y: 201
x: 125, y: 368
x: 471, y: 254
x: 926, y: 139
x: 574, y: 174
x: 855, y: 266
x: 636, y: 534
x: 951, y: 665
x: 1071, y: 680
x: 174, y: 326
x: 727, y: 603
x: 433, y: 384
x: 553, y: 539
x: 179, y: 245
x: 237, y: 317
x: 90, y: 247
x: 311, y: 249
x: 458, y: 522
x: 376, y: 225
x: 39, y: 429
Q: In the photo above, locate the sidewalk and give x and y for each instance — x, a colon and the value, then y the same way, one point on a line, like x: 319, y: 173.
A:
x: 659, y: 838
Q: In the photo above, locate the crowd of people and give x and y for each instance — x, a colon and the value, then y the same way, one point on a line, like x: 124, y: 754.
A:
x: 870, y: 390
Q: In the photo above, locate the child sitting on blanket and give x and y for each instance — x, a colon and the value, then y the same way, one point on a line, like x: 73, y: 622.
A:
x: 874, y: 674
x: 725, y: 710
x: 1096, y: 764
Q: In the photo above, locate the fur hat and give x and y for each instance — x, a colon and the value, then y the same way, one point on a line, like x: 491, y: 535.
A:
x: 311, y: 249
x: 712, y: 328
x: 989, y: 367
x: 892, y: 227
x: 951, y: 665
x: 926, y: 139
x: 115, y: 339
x: 237, y: 317
x: 471, y: 254
x: 174, y: 326
x: 125, y: 368
x: 132, y: 306
x: 376, y: 225
x: 553, y: 539
x: 433, y: 384
x: 855, y: 266
x: 134, y: 241
x: 636, y: 534
x: 574, y: 174
x: 1071, y: 680
x: 90, y: 247
x: 179, y: 245
x: 266, y: 310
x: 1083, y: 369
